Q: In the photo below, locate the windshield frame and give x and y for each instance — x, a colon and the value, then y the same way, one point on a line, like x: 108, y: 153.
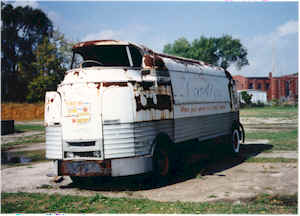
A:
x: 133, y: 63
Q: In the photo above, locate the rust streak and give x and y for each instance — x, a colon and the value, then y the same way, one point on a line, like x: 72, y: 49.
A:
x: 78, y: 168
x: 98, y: 85
x: 148, y: 61
x: 121, y: 84
x: 91, y: 43
x: 159, y: 62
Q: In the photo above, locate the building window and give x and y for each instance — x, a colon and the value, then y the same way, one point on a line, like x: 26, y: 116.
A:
x: 267, y: 86
x: 250, y: 86
x: 287, y: 88
x: 259, y: 86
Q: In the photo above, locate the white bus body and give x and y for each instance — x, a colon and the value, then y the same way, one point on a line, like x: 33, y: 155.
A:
x: 120, y: 110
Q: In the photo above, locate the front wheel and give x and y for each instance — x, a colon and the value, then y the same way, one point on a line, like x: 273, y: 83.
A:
x: 161, y: 163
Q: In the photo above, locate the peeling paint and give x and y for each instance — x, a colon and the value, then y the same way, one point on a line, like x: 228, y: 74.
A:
x: 148, y: 61
x: 94, y: 42
x: 163, y: 102
x: 120, y: 84
x: 98, y: 85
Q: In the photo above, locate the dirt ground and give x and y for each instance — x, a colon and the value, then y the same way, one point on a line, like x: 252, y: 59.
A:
x: 221, y: 178
x: 219, y: 181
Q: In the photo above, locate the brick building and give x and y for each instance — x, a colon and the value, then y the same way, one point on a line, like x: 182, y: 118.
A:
x: 283, y: 88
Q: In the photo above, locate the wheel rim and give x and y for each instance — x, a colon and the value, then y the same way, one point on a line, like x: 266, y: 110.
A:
x: 236, y: 141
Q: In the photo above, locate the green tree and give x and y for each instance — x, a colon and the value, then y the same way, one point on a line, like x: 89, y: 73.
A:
x: 23, y: 28
x: 52, y: 60
x: 222, y: 51
x: 181, y: 47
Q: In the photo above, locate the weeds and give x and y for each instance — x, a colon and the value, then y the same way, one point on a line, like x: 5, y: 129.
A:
x: 270, y: 112
x: 27, y: 140
x: 283, y: 140
x: 29, y: 127
x: 261, y: 204
x: 271, y: 160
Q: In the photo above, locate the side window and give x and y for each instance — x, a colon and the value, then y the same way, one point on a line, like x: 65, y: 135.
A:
x: 77, y: 59
x: 136, y: 56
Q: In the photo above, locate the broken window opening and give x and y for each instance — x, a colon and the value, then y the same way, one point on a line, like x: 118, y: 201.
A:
x: 106, y: 56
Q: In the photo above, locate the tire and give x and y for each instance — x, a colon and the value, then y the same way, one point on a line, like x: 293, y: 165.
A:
x: 242, y: 133
x: 235, y: 141
x: 161, y: 163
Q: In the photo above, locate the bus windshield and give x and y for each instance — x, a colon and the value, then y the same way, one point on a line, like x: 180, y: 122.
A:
x: 105, y: 55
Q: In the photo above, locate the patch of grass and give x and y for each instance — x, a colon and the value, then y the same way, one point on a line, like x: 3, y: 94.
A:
x: 29, y: 127
x: 22, y: 203
x: 271, y: 160
x: 270, y: 112
x: 27, y: 140
x: 283, y: 140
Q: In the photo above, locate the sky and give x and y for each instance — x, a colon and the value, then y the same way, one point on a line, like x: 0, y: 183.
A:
x: 268, y: 30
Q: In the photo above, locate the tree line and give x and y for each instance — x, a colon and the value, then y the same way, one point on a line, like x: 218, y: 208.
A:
x: 34, y: 56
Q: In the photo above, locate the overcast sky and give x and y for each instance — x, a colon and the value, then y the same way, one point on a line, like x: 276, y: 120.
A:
x: 269, y: 30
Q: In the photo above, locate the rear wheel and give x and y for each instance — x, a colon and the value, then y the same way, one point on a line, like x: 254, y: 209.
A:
x: 235, y: 141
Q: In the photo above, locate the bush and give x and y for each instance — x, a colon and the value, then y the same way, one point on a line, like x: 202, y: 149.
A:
x: 246, y: 97
x: 275, y: 102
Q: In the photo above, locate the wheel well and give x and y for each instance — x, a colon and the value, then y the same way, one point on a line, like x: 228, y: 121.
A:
x: 162, y: 140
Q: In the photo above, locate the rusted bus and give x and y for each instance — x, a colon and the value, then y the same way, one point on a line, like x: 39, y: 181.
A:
x: 113, y: 114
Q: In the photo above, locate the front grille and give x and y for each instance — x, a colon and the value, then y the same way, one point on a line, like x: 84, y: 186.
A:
x: 82, y: 144
x: 78, y: 154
